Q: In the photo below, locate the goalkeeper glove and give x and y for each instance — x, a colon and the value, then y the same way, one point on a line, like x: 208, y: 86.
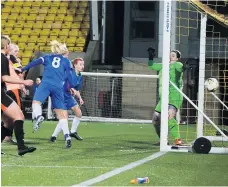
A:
x: 151, y: 53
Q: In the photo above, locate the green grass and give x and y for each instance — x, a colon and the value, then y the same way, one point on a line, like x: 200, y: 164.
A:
x: 105, y: 147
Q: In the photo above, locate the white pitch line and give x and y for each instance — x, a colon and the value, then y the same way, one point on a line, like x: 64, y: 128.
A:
x: 119, y: 170
x: 33, y: 166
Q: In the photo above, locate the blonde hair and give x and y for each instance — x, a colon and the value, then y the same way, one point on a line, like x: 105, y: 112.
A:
x: 13, y: 46
x: 4, y: 39
x: 59, y: 48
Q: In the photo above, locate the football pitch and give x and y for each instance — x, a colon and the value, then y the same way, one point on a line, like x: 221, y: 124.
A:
x: 105, y: 153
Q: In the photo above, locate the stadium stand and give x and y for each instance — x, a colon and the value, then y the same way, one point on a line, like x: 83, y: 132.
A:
x: 33, y: 24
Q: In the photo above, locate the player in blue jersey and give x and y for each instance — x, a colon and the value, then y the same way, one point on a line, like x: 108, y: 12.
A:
x: 57, y: 69
x: 71, y: 103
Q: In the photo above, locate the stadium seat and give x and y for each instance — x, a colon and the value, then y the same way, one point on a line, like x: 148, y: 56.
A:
x: 26, y: 31
x: 46, y: 4
x: 73, y: 4
x: 12, y: 16
x: 35, y: 32
x: 80, y: 40
x: 25, y: 61
x: 23, y: 39
x: 54, y: 32
x: 56, y: 26
x: 43, y: 10
x: 52, y: 11
x: 59, y: 17
x: 78, y: 18
x: 64, y: 4
x: 11, y: 23
x: 7, y: 31
x: 71, y: 11
x: 38, y: 25
x: 81, y: 11
x: 86, y: 18
x: 18, y: 3
x: 70, y: 40
x: 85, y: 25
x: 27, y: 54
x: 31, y: 17
x: 74, y: 32
x: 6, y: 9
x: 22, y: 17
x: 50, y: 17
x: 42, y: 40
x: 27, y: 4
x: 29, y: 24
x: 36, y: 3
x: 15, y: 10
x: 19, y: 24
x: 40, y: 17
x: 62, y: 11
x: 4, y: 16
x: 16, y: 31
x: 66, y: 25
x: 46, y: 26
x: 34, y: 10
x: 83, y: 4
x: 64, y: 32
x: 32, y: 39
x: 79, y: 49
x: 25, y: 10
x: 21, y: 46
x: 9, y: 4
x: 45, y: 32
x: 80, y: 44
x: 71, y: 49
x: 55, y: 4
x: 75, y: 25
x: 68, y: 18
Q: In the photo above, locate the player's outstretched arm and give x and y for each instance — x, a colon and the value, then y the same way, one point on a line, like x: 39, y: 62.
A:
x: 33, y: 64
x: 9, y: 79
x: 151, y: 64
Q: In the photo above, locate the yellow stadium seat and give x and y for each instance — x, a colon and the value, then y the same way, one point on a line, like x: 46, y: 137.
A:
x: 83, y: 4
x: 45, y: 32
x: 76, y: 25
x: 11, y: 23
x: 59, y: 17
x: 64, y: 4
x: 36, y: 3
x: 7, y: 31
x: 52, y: 37
x: 71, y: 40
x: 68, y: 18
x: 50, y: 17
x: 42, y: 40
x: 52, y: 11
x: 22, y: 39
x: 15, y: 10
x: 6, y: 9
x: 9, y: 3
x: 78, y: 18
x: 46, y: 3
x: 29, y: 24
x: 74, y: 32
x: 4, y: 16
x: 73, y: 4
x: 64, y: 32
x: 40, y: 17
x: 56, y: 26
x: 35, y: 32
x: 71, y: 49
x: 62, y: 39
x: 81, y: 11
x: 18, y: 3
x: 62, y: 11
x: 27, y: 4
x: 43, y: 10
x: 87, y: 11
x: 12, y: 16
x: 84, y: 32
x: 31, y: 44
x: 71, y: 11
x: 31, y: 17
x: 85, y: 25
x: 16, y: 31
x: 24, y: 10
x: 38, y: 25
x: 19, y: 24
x: 32, y: 39
x: 25, y: 61
x: 26, y: 31
x: 66, y: 25
x: 27, y: 54
x: 55, y: 4
x: 79, y: 49
x: 80, y: 40
x: 21, y: 46
x: 80, y: 45
x: 3, y: 22
x: 46, y: 26
x: 22, y: 17
x: 54, y: 32
x: 86, y: 18
x: 34, y: 10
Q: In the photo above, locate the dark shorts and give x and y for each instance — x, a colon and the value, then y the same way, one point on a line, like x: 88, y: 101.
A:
x: 6, y: 100
x: 15, y: 95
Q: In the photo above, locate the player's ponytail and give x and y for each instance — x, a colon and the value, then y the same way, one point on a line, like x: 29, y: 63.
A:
x: 59, y: 48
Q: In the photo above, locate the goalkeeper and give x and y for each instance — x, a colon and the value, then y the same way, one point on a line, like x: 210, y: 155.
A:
x: 175, y: 98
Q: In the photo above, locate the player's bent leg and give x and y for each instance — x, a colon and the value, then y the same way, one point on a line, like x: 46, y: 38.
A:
x: 78, y: 114
x: 173, y: 125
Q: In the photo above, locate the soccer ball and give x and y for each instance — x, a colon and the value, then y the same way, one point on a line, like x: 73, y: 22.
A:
x: 211, y: 84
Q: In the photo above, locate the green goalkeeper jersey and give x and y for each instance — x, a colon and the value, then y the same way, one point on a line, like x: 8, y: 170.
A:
x: 176, y: 76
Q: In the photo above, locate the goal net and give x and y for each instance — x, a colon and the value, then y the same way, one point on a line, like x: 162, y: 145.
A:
x: 201, y: 36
